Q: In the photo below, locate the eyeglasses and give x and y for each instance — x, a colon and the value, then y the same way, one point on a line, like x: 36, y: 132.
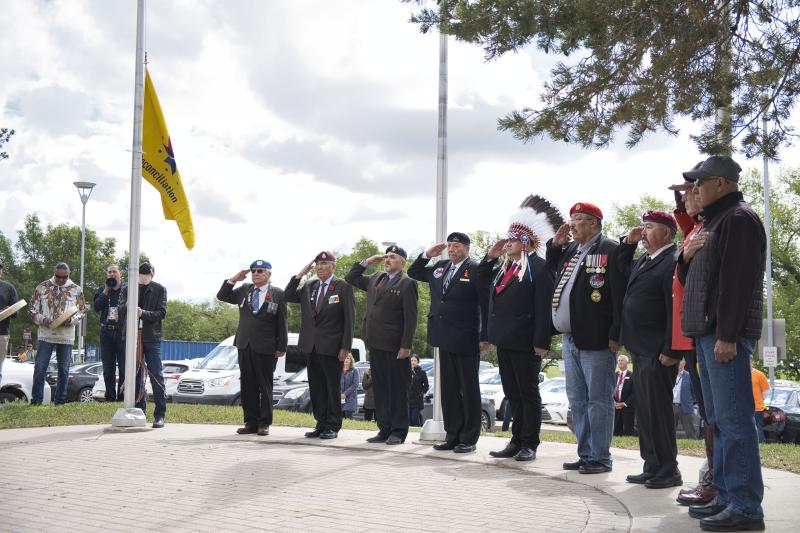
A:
x: 257, y: 270
x: 60, y: 277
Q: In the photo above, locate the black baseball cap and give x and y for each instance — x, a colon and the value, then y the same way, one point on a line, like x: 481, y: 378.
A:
x: 146, y: 268
x: 716, y: 166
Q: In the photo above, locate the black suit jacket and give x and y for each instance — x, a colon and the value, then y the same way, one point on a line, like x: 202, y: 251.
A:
x: 331, y: 329
x: 391, y: 317
x: 153, y: 302
x: 454, y: 320
x: 647, y: 305
x: 267, y: 331
x: 627, y: 394
x: 593, y: 323
x: 519, y: 315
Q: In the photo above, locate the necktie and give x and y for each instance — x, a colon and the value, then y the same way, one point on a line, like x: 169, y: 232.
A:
x: 321, y: 295
x: 256, y: 300
x: 644, y: 263
x: 448, y: 278
x: 565, y: 278
x: 620, y: 377
x: 383, y: 281
x: 510, y: 273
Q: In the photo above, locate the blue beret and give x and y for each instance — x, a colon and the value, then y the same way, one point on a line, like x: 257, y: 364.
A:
x: 260, y: 263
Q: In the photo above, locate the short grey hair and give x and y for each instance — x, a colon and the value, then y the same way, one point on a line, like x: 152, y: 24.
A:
x: 623, y: 356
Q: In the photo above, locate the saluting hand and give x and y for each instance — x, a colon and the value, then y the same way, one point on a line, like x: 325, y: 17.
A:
x: 375, y: 259
x: 497, y: 249
x: 435, y: 250
x: 562, y: 236
x: 634, y: 235
x: 239, y: 276
x: 306, y: 269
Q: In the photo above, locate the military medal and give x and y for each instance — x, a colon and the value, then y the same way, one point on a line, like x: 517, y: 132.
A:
x: 597, y: 281
x: 596, y: 296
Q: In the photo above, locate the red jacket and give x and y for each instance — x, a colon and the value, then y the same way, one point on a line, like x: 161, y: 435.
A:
x: 688, y: 226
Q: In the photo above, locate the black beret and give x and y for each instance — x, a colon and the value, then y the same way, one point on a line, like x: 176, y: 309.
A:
x: 457, y: 236
x: 394, y: 249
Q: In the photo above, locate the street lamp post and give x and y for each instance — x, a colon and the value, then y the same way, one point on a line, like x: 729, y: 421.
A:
x: 84, y: 190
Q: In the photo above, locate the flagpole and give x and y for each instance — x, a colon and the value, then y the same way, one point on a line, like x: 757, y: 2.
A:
x: 130, y: 416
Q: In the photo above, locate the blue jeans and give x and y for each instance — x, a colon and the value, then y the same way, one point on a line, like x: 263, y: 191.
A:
x: 64, y: 359
x: 728, y: 395
x: 590, y: 391
x: 112, y: 353
x: 152, y: 360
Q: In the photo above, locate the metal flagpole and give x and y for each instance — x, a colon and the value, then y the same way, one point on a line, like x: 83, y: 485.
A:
x: 129, y: 416
x: 433, y: 429
x: 768, y: 229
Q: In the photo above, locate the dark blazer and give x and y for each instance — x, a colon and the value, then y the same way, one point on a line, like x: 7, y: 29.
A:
x: 101, y: 303
x: 593, y: 324
x: 519, y: 316
x: 153, y: 302
x: 391, y: 317
x: 267, y: 331
x: 331, y: 329
x: 627, y: 394
x: 454, y: 320
x: 647, y: 305
x: 417, y: 388
x: 687, y: 398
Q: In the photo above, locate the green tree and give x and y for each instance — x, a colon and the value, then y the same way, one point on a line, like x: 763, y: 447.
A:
x: 636, y: 67
x: 5, y: 137
x: 625, y: 217
x: 207, y: 321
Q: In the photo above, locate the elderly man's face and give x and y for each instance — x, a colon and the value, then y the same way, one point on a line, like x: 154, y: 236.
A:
x: 622, y: 363
x: 260, y: 276
x: 457, y: 251
x: 393, y: 262
x: 324, y: 269
x: 655, y: 236
x: 583, y: 227
x: 709, y: 190
x: 691, y: 200
x: 61, y: 275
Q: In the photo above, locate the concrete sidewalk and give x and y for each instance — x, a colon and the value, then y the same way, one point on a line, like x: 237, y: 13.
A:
x: 207, y: 478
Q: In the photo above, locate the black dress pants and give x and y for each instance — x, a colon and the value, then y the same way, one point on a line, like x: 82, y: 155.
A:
x: 390, y: 380
x: 623, y: 421
x: 324, y: 374
x: 519, y: 373
x: 657, y: 445
x: 461, y: 397
x: 257, y: 370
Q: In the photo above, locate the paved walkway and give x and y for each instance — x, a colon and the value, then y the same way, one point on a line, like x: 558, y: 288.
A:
x: 206, y: 478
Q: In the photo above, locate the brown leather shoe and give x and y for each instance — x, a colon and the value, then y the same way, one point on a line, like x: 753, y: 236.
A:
x: 702, y: 495
x: 246, y: 430
x: 263, y: 431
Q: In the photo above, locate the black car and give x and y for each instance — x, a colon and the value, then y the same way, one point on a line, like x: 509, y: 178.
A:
x: 292, y: 394
x: 782, y: 415
x: 488, y: 413
x: 80, y: 380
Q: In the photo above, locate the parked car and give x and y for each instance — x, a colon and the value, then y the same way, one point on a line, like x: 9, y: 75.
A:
x: 17, y: 383
x: 172, y: 371
x: 292, y: 394
x: 80, y: 380
x: 554, y: 400
x: 488, y: 411
x: 782, y: 415
x: 492, y: 387
x: 216, y: 379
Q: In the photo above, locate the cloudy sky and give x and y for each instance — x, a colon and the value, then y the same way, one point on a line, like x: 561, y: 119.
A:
x: 297, y: 126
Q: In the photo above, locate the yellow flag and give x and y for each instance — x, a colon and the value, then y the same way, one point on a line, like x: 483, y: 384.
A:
x: 159, y: 167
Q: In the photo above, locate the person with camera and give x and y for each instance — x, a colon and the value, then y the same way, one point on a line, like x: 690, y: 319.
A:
x: 110, y: 302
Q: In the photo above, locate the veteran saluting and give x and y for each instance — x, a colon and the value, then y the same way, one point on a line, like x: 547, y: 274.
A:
x: 389, y: 325
x: 328, y: 313
x: 261, y: 338
x: 454, y: 327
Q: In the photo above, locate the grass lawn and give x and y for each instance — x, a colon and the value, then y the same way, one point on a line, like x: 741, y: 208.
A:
x: 22, y: 415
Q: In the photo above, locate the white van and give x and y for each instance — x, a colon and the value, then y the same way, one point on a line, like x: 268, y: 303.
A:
x: 216, y: 379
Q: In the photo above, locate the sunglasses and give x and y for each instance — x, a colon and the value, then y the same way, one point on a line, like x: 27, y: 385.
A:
x: 61, y: 277
x: 257, y: 270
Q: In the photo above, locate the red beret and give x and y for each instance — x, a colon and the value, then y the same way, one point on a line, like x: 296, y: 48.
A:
x: 661, y: 217
x: 586, y: 209
x: 325, y: 256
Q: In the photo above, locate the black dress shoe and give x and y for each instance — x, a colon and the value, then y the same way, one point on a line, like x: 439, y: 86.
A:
x: 525, y: 454
x: 704, y: 511
x: 329, y: 434
x: 394, y: 439
x: 664, y: 482
x: 246, y: 430
x: 574, y: 466
x: 313, y: 434
x: 445, y: 446
x: 377, y: 438
x: 158, y: 423
x: 730, y: 520
x: 509, y: 451
x: 594, y: 467
x: 464, y: 448
x: 639, y: 479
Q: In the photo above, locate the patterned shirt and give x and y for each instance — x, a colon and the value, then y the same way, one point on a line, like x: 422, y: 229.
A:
x: 49, y: 301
